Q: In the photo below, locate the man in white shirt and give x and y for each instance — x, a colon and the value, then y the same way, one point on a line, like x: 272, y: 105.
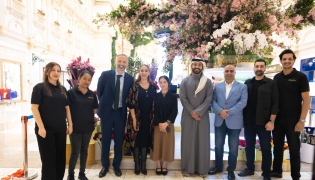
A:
x: 229, y: 99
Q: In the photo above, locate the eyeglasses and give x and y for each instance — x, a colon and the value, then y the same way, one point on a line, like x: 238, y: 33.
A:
x: 227, y: 71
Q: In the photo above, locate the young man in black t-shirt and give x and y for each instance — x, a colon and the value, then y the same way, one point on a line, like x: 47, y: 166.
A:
x: 259, y: 117
x: 294, y: 102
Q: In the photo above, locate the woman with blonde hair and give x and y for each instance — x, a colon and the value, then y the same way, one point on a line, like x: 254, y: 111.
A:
x: 50, y: 110
x: 140, y: 120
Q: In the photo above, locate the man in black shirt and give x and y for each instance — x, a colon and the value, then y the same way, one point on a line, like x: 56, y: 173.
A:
x: 259, y: 117
x: 294, y: 102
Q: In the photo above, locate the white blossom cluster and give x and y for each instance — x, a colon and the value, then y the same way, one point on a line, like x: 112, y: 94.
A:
x: 227, y: 34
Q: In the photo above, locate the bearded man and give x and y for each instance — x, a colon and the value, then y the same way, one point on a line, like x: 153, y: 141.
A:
x: 195, y: 95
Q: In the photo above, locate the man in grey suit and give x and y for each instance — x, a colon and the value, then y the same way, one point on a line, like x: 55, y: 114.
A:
x: 229, y: 99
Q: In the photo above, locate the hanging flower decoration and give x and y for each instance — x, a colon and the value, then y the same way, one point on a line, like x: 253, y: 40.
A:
x: 193, y: 24
x: 76, y: 67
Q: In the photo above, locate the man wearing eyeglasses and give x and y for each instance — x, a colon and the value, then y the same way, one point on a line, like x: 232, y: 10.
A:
x: 229, y: 99
x: 259, y: 117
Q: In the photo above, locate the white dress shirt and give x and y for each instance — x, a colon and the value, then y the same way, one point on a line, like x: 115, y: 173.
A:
x: 228, y: 88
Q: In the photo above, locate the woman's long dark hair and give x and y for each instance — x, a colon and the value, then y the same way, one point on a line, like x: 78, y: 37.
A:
x: 139, y: 78
x: 46, y: 73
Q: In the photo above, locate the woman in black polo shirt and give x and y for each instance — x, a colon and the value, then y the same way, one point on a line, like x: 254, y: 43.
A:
x: 83, y: 106
x: 50, y: 109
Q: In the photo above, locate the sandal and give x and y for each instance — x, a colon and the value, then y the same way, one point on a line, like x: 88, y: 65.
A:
x: 158, y: 172
x: 164, y: 171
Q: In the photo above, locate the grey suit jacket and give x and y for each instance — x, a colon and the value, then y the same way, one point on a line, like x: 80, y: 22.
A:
x: 235, y: 103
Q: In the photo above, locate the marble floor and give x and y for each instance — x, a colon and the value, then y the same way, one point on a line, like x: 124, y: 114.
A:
x: 11, y: 156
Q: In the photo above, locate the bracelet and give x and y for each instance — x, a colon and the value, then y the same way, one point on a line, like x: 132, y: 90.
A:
x: 133, y: 116
x: 272, y: 121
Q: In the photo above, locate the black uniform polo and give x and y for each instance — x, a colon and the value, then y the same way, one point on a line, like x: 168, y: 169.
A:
x: 51, y: 108
x: 290, y: 99
x: 82, y: 110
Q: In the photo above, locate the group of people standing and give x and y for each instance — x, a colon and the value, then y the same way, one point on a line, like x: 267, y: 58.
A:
x: 150, y: 122
x: 58, y: 112
x: 51, y: 106
x: 261, y: 106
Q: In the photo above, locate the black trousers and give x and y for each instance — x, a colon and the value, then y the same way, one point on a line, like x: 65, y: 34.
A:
x: 285, y: 127
x: 52, y: 150
x: 79, y: 146
x: 250, y: 131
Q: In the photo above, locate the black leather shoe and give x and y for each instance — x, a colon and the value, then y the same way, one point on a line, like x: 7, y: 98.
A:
x: 215, y: 171
x: 246, y: 172
x: 266, y: 178
x: 117, y: 171
x: 275, y: 174
x: 82, y: 176
x: 71, y: 177
x: 231, y: 175
x: 103, y: 172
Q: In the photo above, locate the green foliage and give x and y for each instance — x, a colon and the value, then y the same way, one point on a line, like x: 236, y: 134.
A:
x: 113, y: 65
x: 133, y: 66
x: 139, y: 39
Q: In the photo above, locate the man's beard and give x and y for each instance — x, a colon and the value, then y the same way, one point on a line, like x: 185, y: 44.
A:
x: 196, y: 72
x: 259, y: 73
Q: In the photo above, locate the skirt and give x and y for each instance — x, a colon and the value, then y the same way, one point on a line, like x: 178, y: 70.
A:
x: 163, y: 145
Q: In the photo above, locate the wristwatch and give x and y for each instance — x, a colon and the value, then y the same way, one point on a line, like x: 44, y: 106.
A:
x: 272, y: 121
x: 302, y: 120
x: 168, y: 121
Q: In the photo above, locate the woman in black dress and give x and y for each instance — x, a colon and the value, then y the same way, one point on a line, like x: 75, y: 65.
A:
x: 83, y: 105
x: 51, y: 109
x: 165, y: 113
x: 140, y: 125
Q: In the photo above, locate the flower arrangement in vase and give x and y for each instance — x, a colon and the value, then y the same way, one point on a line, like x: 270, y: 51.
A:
x: 76, y: 67
x: 228, y: 45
